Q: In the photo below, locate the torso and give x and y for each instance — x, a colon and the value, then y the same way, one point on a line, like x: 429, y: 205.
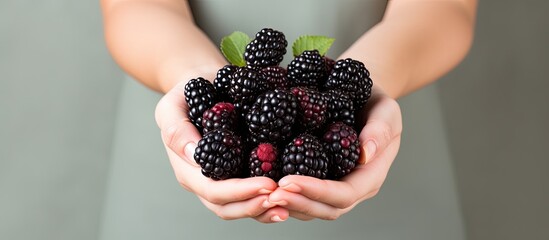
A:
x: 344, y: 20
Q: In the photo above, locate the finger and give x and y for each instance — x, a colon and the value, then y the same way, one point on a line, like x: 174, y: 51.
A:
x: 273, y: 215
x: 383, y: 125
x: 337, y: 194
x: 243, y: 209
x: 178, y: 133
x: 298, y: 203
x: 218, y: 192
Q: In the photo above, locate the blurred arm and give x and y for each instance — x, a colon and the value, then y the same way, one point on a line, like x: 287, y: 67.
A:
x: 157, y: 42
x: 417, y: 42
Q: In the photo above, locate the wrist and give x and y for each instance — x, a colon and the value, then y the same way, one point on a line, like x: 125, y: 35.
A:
x: 391, y: 83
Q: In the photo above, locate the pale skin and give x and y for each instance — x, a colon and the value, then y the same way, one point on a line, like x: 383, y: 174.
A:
x: 418, y: 41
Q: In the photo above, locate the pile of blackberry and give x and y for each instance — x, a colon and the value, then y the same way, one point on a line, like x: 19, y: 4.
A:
x: 263, y: 119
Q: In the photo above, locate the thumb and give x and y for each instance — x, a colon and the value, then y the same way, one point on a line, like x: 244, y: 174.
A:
x: 383, y: 125
x: 374, y: 138
x: 178, y: 132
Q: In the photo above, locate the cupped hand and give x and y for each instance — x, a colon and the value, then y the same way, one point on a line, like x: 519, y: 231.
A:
x: 308, y: 198
x: 229, y: 199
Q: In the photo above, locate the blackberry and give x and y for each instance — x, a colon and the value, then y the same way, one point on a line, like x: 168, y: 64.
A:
x: 305, y: 156
x: 220, y: 116
x: 200, y: 95
x: 267, y: 49
x: 276, y: 77
x: 351, y: 76
x: 313, y: 106
x: 307, y: 69
x: 246, y: 84
x: 272, y: 116
x: 343, y: 149
x: 340, y: 107
x: 264, y: 162
x: 222, y: 81
x: 219, y: 154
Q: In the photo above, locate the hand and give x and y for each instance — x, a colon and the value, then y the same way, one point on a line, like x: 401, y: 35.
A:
x: 229, y: 199
x: 307, y: 198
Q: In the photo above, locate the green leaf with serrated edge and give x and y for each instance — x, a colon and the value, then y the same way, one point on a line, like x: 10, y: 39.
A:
x: 233, y: 47
x: 306, y: 43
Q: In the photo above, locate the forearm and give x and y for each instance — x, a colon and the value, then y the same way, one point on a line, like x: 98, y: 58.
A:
x: 416, y: 43
x: 158, y: 43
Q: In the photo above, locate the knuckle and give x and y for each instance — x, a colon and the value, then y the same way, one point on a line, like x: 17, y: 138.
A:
x: 394, y: 104
x: 250, y: 212
x: 172, y: 137
x: 318, y: 195
x: 158, y: 112
x: 333, y: 216
x: 315, y: 196
x: 396, y: 116
x: 182, y: 183
x: 378, y: 184
x: 380, y: 130
x: 169, y: 135
x: 353, y: 197
x: 308, y: 211
x: 219, y: 212
x: 222, y: 215
x: 346, y: 203
x: 385, y: 132
x: 211, y: 196
x: 374, y: 192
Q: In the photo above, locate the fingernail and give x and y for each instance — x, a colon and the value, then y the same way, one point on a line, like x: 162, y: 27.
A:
x: 292, y: 187
x: 264, y: 191
x: 370, y: 150
x: 276, y: 218
x: 189, y: 151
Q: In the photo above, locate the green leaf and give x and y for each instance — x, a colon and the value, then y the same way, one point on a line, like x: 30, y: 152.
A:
x: 233, y: 47
x: 307, y: 43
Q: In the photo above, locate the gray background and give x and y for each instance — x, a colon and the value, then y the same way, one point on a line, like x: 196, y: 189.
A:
x: 496, y: 110
x: 55, y: 150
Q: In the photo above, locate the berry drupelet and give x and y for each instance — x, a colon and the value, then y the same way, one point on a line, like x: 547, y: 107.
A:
x: 264, y: 162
